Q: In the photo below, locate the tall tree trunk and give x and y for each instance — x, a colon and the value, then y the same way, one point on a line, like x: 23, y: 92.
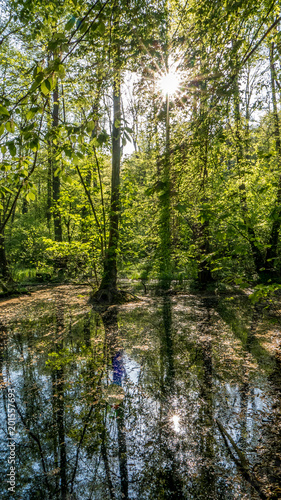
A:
x: 271, y: 254
x: 204, y: 272
x: 240, y: 158
x: 108, y: 287
x: 49, y: 174
x: 4, y: 269
x: 56, y: 178
x: 165, y: 202
x: 49, y: 185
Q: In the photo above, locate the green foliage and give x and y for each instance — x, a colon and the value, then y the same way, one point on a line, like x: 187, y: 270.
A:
x: 66, y: 259
x: 213, y: 212
x: 263, y: 292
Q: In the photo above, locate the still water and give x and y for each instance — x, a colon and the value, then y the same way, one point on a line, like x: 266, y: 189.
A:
x: 165, y: 398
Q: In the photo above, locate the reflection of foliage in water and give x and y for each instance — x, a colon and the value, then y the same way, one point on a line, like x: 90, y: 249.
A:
x: 184, y: 360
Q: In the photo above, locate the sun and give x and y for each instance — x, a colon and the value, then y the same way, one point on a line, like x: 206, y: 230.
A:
x: 169, y: 83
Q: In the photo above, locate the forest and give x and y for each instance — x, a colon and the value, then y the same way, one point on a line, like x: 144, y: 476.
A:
x: 140, y: 141
x: 140, y: 249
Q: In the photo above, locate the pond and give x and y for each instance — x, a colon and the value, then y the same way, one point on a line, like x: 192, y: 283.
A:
x: 174, y: 397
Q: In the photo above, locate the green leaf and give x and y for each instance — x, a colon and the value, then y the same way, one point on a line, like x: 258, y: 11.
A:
x: 83, y: 26
x: 67, y: 152
x: 101, y: 28
x: 61, y: 71
x: 70, y: 23
x: 8, y: 189
x: 12, y: 148
x: 90, y: 126
x: 30, y: 114
x: 44, y: 87
x: 2, y: 129
x: 4, y: 111
x: 102, y: 138
x: 75, y: 159
x: 37, y: 81
x: 10, y: 126
x: 127, y: 137
x: 34, y: 144
x: 66, y: 178
x: 31, y: 196
x: 37, y: 70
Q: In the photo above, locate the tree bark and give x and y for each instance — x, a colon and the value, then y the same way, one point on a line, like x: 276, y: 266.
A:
x: 165, y: 211
x: 108, y: 287
x: 204, y: 271
x: 4, y: 269
x: 271, y: 254
x: 55, y: 177
x: 256, y: 252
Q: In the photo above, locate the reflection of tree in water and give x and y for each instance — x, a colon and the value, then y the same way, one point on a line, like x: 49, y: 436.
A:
x: 161, y: 477
x: 48, y: 440
x: 207, y: 480
x: 116, y: 354
x: 54, y: 439
x: 4, y: 416
x: 58, y: 383
x: 206, y: 411
x: 169, y: 477
x: 263, y: 476
x: 79, y: 443
x: 268, y: 466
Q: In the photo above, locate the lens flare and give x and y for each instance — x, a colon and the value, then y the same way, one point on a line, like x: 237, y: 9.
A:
x: 169, y: 83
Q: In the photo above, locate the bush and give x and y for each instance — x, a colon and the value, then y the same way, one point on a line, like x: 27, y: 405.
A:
x: 66, y: 259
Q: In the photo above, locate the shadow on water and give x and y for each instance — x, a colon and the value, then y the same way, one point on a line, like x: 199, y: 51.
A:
x: 248, y: 327
x: 175, y: 398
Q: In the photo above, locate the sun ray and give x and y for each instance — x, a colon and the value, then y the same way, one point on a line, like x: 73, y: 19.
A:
x: 169, y: 83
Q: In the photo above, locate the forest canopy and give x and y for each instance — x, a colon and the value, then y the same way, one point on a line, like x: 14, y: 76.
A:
x: 140, y: 140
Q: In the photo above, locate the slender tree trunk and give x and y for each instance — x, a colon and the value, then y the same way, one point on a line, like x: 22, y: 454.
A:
x: 4, y: 269
x: 49, y: 185
x: 204, y: 272
x: 108, y: 287
x: 165, y: 202
x: 240, y: 158
x: 24, y: 209
x: 49, y: 172
x: 276, y: 213
x: 56, y: 178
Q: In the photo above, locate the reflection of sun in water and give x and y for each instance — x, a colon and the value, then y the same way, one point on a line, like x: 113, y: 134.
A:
x: 176, y: 422
x: 169, y: 83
